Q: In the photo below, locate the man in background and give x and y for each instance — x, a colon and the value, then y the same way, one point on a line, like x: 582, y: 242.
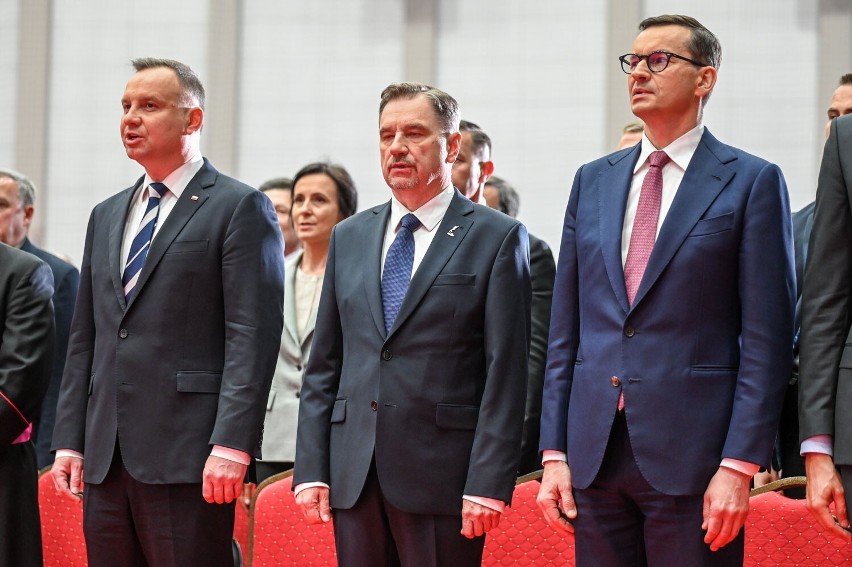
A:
x: 279, y: 192
x: 17, y: 208
x: 631, y: 134
x: 473, y: 166
x: 26, y: 347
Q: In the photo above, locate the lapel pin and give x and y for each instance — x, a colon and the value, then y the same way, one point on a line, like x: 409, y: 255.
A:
x: 452, y: 230
x: 194, y: 198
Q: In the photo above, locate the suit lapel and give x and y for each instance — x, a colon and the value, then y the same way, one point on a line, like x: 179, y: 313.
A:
x: 374, y: 238
x: 192, y: 198
x: 289, y: 299
x: 613, y: 187
x: 442, y: 248
x: 706, y: 177
x: 118, y: 220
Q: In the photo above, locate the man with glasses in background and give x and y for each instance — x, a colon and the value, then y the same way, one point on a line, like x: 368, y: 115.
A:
x: 670, y: 340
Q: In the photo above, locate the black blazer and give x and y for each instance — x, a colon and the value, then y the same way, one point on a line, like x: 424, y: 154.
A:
x: 188, y: 363
x: 440, y: 399
x: 26, y: 340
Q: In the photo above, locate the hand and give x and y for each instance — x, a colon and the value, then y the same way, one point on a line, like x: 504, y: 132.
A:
x: 248, y: 491
x: 823, y: 488
x: 725, y: 507
x: 67, y: 473
x: 556, y: 498
x: 222, y: 480
x: 314, y: 504
x: 477, y: 519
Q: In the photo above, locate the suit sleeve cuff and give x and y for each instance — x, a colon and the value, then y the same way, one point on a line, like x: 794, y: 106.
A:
x: 498, y: 505
x: 68, y: 453
x: 305, y: 485
x: 553, y: 455
x: 744, y: 467
x: 231, y: 454
x: 818, y: 444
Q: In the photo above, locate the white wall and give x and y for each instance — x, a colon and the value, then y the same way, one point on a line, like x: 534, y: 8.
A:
x: 8, y: 86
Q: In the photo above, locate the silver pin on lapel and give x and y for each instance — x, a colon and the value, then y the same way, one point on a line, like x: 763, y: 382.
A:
x: 194, y: 198
x: 450, y: 232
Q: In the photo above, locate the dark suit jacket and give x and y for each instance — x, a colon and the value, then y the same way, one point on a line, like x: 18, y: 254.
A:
x: 26, y: 340
x: 188, y: 363
x: 703, y: 355
x: 825, y: 370
x: 439, y: 400
x: 66, y: 279
x: 542, y: 274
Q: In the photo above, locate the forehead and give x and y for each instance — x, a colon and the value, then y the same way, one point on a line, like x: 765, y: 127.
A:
x: 662, y: 38
x: 315, y: 183
x: 278, y: 195
x: 8, y: 187
x: 159, y: 82
x: 842, y: 96
x: 403, y: 112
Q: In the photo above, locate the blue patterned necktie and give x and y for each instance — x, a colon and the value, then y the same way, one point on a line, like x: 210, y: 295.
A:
x: 397, y: 272
x: 142, y: 241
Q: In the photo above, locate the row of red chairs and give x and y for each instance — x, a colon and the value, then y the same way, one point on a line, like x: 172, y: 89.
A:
x: 271, y: 532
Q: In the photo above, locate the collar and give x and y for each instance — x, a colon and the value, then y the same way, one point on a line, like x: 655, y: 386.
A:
x: 177, y: 180
x: 429, y: 214
x: 679, y: 151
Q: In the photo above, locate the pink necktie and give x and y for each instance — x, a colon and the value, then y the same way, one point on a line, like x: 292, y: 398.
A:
x: 644, y: 232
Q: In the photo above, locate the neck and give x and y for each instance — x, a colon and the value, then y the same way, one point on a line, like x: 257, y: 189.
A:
x: 162, y: 169
x: 664, y: 130
x: 314, y: 257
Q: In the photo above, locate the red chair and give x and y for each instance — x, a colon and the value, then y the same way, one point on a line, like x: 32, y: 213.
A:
x: 523, y: 536
x: 278, y: 534
x: 241, y: 526
x: 780, y: 532
x: 61, y: 526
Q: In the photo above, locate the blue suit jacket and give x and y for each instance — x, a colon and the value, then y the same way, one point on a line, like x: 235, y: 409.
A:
x: 703, y: 355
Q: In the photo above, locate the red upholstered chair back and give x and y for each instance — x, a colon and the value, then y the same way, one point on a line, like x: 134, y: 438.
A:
x: 780, y: 532
x: 278, y: 532
x: 523, y: 537
x: 61, y: 526
x: 241, y: 526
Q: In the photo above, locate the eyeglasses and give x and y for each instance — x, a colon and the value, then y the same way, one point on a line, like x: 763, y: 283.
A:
x: 657, y: 61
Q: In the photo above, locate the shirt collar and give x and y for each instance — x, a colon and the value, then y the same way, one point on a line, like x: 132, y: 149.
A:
x: 679, y: 151
x: 177, y: 180
x: 429, y: 214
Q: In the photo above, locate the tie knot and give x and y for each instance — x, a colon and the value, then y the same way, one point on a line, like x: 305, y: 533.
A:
x: 410, y: 222
x: 157, y: 190
x: 658, y: 158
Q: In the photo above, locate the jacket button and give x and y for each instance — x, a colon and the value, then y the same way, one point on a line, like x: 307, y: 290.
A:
x: 629, y: 331
x: 374, y: 405
x: 615, y: 381
x: 298, y: 394
x: 387, y: 355
x: 123, y: 333
x: 299, y: 367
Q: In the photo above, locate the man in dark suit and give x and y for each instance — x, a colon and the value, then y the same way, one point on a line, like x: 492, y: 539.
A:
x: 413, y: 401
x: 672, y: 326
x: 825, y: 396
x: 503, y: 197
x: 26, y: 347
x: 174, y: 341
x: 17, y: 207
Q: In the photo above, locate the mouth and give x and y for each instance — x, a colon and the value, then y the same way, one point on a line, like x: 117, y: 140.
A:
x: 130, y: 137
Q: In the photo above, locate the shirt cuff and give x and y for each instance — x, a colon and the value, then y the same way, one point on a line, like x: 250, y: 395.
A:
x: 305, y: 485
x: 498, y: 505
x: 749, y: 469
x: 818, y: 444
x: 68, y: 453
x: 553, y: 455
x: 231, y: 454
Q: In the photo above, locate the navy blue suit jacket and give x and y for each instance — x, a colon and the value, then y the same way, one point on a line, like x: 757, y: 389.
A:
x: 703, y: 355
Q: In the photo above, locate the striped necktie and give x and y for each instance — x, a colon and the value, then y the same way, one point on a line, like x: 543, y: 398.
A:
x: 142, y: 241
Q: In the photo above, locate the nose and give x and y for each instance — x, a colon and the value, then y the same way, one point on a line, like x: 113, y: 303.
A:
x: 641, y: 70
x: 130, y: 116
x: 398, y: 146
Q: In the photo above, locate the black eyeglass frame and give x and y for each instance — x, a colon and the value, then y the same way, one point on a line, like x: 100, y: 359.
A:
x: 625, y: 64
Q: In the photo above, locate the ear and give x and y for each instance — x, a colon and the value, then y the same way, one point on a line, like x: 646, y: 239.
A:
x: 453, y: 146
x: 29, y: 211
x: 706, y: 81
x: 194, y: 120
x: 486, y: 170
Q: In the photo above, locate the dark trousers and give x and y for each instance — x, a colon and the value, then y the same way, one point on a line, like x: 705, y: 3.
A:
x: 131, y: 524
x: 622, y: 521
x: 20, y: 528
x: 374, y: 533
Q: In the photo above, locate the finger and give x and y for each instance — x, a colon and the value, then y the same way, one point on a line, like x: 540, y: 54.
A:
x: 840, y: 508
x: 76, y: 477
x: 207, y: 490
x: 324, y: 507
x: 228, y: 492
x: 467, y: 529
x: 556, y: 520
x: 713, y: 527
x: 218, y: 492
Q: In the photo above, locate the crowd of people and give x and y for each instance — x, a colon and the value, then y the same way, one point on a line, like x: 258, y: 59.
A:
x: 411, y: 360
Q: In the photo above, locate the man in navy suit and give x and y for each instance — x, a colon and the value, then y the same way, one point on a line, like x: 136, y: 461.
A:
x: 173, y: 344
x: 410, y: 421
x: 671, y: 336
x: 17, y: 207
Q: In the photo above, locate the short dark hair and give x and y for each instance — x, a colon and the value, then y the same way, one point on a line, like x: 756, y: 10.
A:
x: 444, y: 105
x: 347, y: 195
x: 481, y: 141
x: 190, y: 84
x: 284, y: 183
x: 703, y: 45
x: 509, y: 201
x: 26, y: 189
x: 845, y: 80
